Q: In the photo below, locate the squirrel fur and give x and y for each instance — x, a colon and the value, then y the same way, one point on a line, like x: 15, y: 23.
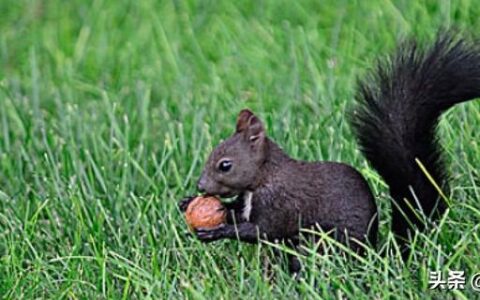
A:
x: 395, y: 120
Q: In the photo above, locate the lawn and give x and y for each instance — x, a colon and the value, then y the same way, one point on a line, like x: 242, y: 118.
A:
x: 108, y: 109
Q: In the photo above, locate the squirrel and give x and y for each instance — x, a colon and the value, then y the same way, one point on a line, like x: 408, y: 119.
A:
x: 394, y: 121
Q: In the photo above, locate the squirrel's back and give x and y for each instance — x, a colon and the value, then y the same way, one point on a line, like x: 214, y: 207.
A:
x: 395, y: 121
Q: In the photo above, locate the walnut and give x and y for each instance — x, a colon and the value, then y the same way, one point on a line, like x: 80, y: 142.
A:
x: 205, y: 212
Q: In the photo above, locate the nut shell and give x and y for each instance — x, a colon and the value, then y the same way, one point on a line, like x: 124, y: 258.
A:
x: 205, y: 212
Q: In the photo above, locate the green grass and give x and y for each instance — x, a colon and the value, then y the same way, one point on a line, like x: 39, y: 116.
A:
x: 109, y: 108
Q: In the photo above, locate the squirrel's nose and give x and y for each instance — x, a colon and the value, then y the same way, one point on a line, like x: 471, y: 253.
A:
x: 201, y: 185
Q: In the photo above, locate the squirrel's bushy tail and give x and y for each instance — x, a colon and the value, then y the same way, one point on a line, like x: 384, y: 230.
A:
x: 395, y: 121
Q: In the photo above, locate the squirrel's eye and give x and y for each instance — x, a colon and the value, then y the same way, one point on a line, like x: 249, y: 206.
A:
x: 225, y: 165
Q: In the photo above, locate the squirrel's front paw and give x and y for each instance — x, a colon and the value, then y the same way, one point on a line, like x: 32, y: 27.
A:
x: 183, y: 204
x: 207, y: 235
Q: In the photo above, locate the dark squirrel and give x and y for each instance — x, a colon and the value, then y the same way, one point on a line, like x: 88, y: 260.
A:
x: 397, y: 112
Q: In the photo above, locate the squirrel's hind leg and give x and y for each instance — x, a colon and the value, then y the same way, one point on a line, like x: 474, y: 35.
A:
x: 294, y: 266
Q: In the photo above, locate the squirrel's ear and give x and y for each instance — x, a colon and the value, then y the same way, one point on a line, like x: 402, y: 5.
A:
x: 243, y: 118
x: 252, y: 127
